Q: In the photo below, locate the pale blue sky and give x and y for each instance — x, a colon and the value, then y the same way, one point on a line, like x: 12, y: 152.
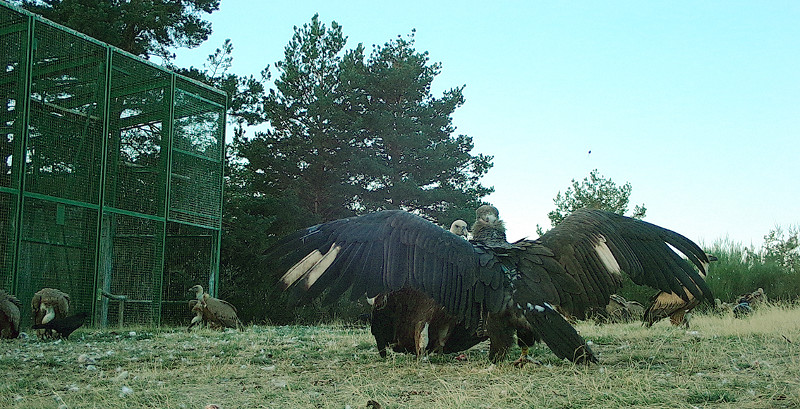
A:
x: 696, y: 104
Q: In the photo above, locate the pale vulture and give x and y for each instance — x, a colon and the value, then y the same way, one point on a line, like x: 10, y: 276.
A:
x: 47, y: 304
x: 214, y: 312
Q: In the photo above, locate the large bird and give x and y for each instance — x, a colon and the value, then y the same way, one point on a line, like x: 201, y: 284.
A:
x: 408, y: 320
x: 213, y: 311
x: 675, y: 305
x: 489, y: 284
x: 9, y: 315
x: 63, y: 326
x: 47, y: 304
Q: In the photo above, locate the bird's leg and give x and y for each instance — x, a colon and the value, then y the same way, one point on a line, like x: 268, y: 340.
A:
x: 525, y: 338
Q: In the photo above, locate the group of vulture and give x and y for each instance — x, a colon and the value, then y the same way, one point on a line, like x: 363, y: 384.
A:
x: 50, y: 308
x: 434, y: 291
x: 439, y: 291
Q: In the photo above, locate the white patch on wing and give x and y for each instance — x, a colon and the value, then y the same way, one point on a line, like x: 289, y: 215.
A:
x: 539, y: 308
x: 605, y: 256
x: 299, y: 269
x: 371, y: 301
x: 322, y: 265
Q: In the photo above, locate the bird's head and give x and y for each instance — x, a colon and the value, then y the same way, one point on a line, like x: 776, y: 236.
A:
x: 488, y: 225
x: 459, y: 228
x: 197, y: 290
x: 487, y: 213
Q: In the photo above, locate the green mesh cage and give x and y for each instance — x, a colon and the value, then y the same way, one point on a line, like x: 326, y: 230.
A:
x: 58, y: 246
x: 196, y: 185
x: 137, y: 153
x: 13, y: 60
x: 111, y: 176
x: 8, y: 208
x: 191, y: 251
x: 65, y: 129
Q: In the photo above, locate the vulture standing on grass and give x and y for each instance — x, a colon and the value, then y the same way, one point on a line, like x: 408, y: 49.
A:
x: 489, y: 285
x: 677, y: 307
x: 213, y: 311
x: 47, y: 304
x: 9, y: 315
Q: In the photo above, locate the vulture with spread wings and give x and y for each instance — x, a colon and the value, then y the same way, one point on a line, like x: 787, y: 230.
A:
x: 489, y: 285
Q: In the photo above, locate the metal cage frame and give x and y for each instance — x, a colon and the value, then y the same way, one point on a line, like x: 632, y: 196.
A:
x: 111, y: 175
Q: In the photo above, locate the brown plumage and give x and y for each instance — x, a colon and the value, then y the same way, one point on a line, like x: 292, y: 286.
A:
x: 47, y: 304
x: 489, y: 284
x: 677, y: 307
x: 9, y: 315
x: 214, y: 312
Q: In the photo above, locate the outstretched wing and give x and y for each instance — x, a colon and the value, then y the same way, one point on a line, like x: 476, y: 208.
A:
x: 386, y: 251
x: 579, y: 263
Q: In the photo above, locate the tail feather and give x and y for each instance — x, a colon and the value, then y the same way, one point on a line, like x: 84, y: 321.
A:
x: 558, y: 334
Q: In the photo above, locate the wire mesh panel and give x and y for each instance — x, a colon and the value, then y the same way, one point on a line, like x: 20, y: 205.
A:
x: 8, y: 209
x: 189, y: 257
x: 88, y: 136
x: 198, y: 142
x: 57, y: 250
x: 13, y: 72
x: 138, y: 125
x: 130, y: 266
x: 65, y: 129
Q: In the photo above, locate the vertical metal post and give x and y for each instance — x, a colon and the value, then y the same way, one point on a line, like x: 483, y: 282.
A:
x: 170, y: 124
x: 104, y: 238
x: 215, y: 262
x: 20, y: 158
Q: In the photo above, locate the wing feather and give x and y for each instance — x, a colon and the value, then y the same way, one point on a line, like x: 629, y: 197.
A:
x: 382, y: 252
x: 593, y: 248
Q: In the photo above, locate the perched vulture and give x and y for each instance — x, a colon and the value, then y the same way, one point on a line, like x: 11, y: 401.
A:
x: 213, y: 311
x: 9, y: 315
x: 47, y: 304
x: 65, y: 326
x: 491, y: 286
x: 669, y: 304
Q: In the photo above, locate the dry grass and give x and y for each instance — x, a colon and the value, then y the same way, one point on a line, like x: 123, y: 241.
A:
x: 721, y: 362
